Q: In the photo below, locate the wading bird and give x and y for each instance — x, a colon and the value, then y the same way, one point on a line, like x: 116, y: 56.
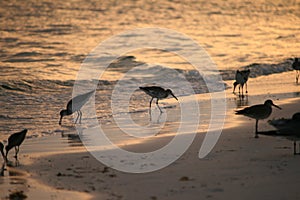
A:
x: 258, y: 112
x: 74, y: 105
x: 158, y: 93
x: 241, y: 78
x: 15, y: 140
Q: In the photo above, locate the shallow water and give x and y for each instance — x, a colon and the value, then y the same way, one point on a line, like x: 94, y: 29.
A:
x: 43, y: 45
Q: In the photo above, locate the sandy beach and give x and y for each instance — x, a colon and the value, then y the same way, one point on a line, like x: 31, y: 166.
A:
x: 239, y: 167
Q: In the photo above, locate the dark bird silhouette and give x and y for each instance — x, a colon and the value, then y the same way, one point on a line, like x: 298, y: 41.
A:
x: 15, y: 140
x: 2, y: 150
x: 287, y: 128
x: 296, y: 66
x: 258, y: 112
x: 241, y: 78
x: 74, y: 105
x: 158, y: 93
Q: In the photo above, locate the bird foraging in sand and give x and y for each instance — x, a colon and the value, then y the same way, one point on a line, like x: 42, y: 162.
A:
x: 15, y: 140
x: 241, y: 78
x: 158, y: 93
x: 258, y: 112
x: 74, y: 105
x: 296, y: 66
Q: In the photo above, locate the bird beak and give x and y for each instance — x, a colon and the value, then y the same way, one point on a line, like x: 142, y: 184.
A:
x: 60, y: 120
x: 174, y: 96
x: 276, y: 106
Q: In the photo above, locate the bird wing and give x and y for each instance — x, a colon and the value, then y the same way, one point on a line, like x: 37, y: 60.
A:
x: 77, y: 102
x: 153, y: 91
x: 240, y: 78
x: 257, y: 111
x: 286, y: 126
x: 17, y: 138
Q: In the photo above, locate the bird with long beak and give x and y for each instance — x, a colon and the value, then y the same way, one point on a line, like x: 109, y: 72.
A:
x: 158, y: 93
x: 258, y: 112
x: 74, y: 105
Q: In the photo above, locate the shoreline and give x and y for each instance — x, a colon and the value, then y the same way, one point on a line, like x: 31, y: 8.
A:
x: 237, y: 162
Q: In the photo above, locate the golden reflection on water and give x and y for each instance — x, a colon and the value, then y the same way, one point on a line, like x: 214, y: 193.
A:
x: 49, y: 40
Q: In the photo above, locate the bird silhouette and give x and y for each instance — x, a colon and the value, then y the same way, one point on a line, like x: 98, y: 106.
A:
x: 158, y: 93
x: 241, y: 78
x: 287, y: 128
x: 258, y: 112
x: 74, y: 105
x: 15, y: 140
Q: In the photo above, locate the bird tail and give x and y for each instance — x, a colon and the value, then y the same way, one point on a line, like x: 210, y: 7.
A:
x: 143, y: 88
x: 240, y: 112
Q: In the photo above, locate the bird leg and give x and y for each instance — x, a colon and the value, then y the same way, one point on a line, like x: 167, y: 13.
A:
x: 256, y: 126
x: 77, y: 117
x: 242, y: 90
x: 17, y: 151
x: 158, y: 105
x: 297, y: 76
x: 295, y: 153
x: 80, y: 116
x: 246, y: 88
x: 150, y: 104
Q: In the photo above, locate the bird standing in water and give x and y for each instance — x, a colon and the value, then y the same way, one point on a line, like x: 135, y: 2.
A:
x: 158, y: 93
x: 296, y: 66
x: 15, y: 140
x: 241, y: 78
x: 258, y: 112
x: 74, y: 105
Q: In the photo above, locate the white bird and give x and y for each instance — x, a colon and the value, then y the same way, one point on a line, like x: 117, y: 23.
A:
x: 15, y: 140
x: 258, y: 112
x: 74, y: 105
x: 241, y: 78
x: 296, y: 66
x: 158, y: 93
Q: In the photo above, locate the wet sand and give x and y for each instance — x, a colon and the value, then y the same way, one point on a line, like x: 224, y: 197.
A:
x: 239, y: 166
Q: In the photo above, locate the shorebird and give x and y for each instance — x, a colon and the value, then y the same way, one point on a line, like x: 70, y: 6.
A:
x: 296, y: 66
x: 2, y: 150
x: 158, y: 93
x: 288, y: 128
x: 15, y: 140
x: 257, y: 112
x: 241, y: 78
x: 74, y: 105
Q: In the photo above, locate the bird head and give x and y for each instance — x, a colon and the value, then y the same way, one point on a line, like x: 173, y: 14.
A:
x: 270, y: 103
x: 296, y: 116
x: 171, y: 93
x: 62, y: 114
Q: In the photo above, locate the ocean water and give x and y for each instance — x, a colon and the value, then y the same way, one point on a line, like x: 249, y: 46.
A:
x: 44, y: 43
